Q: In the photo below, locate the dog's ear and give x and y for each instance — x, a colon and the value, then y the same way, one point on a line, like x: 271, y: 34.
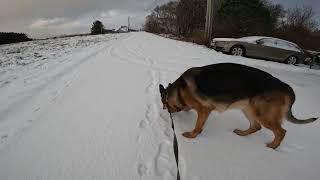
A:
x: 161, y: 89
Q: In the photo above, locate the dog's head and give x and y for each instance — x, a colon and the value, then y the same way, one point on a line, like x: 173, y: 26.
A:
x: 169, y: 98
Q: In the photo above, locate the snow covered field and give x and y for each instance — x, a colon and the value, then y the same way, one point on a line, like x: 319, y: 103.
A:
x: 89, y: 108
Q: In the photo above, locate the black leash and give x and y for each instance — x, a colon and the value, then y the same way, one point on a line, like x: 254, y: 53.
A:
x: 175, y: 147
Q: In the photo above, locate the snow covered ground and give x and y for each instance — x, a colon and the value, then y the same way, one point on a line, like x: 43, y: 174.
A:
x: 89, y: 108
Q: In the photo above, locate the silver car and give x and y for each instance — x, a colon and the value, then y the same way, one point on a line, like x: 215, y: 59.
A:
x: 261, y: 47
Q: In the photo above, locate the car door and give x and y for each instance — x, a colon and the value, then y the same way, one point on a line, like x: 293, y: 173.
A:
x: 284, y: 50
x: 264, y: 48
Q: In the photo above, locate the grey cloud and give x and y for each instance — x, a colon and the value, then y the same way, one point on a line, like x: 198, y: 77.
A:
x: 25, y: 15
x: 41, y: 18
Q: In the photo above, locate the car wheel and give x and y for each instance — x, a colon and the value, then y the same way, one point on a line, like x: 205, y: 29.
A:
x: 292, y: 60
x: 237, y: 51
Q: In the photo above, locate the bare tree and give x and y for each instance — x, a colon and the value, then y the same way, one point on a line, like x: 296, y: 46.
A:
x: 299, y: 26
x: 301, y: 19
x: 277, y: 12
x: 152, y: 25
x: 191, y: 16
x: 162, y: 19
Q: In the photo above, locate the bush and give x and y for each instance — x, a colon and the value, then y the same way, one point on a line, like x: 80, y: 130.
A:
x: 10, y: 37
x: 236, y: 18
x: 198, y: 37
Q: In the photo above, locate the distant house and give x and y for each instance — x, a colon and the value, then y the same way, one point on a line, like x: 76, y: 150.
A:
x: 122, y: 29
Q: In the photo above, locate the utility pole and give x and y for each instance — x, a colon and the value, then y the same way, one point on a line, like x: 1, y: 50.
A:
x: 209, y: 19
x: 128, y: 23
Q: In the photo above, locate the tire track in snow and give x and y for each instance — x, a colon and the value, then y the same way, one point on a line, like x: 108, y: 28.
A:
x: 132, y: 59
x: 43, y: 88
x: 135, y: 57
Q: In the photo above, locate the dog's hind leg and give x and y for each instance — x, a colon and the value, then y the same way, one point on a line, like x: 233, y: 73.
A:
x: 203, y: 114
x: 279, y: 134
x: 271, y: 115
x: 273, y: 122
x: 254, y: 125
x: 275, y: 126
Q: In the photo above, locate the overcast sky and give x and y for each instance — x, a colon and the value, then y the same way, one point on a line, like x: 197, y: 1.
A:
x: 43, y: 18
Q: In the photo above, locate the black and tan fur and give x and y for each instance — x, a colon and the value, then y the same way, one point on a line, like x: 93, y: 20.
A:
x: 264, y: 99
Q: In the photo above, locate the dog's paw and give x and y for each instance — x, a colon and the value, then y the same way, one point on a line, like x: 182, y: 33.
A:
x: 272, y: 145
x: 190, y: 134
x: 239, y: 132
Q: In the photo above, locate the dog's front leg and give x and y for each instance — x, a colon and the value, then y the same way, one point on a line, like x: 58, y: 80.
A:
x: 203, y: 114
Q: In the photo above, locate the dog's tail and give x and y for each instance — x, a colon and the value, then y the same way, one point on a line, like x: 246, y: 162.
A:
x: 294, y: 120
x: 289, y: 114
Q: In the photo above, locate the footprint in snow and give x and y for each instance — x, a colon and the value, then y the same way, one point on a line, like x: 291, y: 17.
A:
x: 150, y: 112
x: 143, y: 124
x: 164, y: 117
x: 138, y: 139
x: 168, y: 132
x: 54, y: 95
x: 67, y: 83
x: 142, y: 169
x: 288, y: 148
x: 4, y: 83
x: 164, y: 163
x: 36, y: 109
x: 4, y: 136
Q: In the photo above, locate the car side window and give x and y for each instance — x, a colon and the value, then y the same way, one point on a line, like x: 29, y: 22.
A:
x: 268, y: 42
x: 281, y: 44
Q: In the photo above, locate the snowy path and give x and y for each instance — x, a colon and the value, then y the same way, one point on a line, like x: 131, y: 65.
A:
x: 103, y: 120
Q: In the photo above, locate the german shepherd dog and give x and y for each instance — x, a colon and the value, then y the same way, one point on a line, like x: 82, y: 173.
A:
x: 264, y: 99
